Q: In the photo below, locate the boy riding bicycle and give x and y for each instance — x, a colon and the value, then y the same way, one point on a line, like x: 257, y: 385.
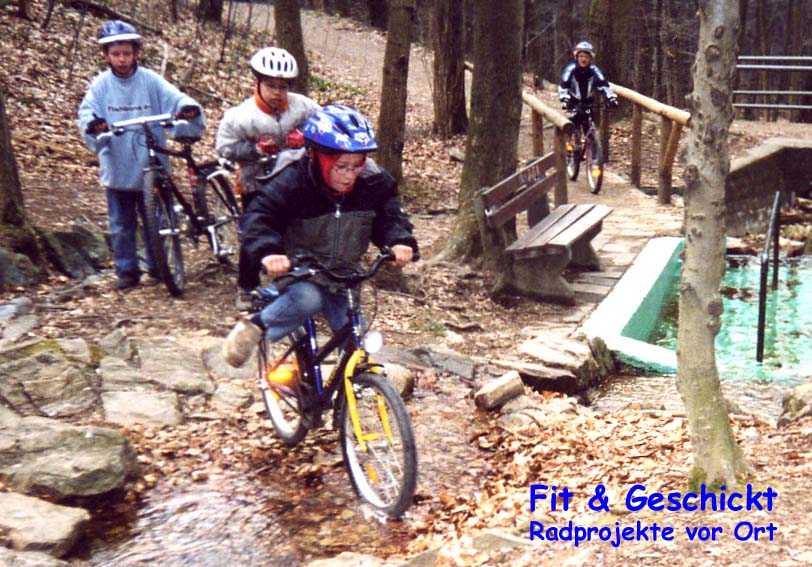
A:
x: 259, y: 127
x: 330, y: 204
x: 124, y: 91
x: 579, y: 82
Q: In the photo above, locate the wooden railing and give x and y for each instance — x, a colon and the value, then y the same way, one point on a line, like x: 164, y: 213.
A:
x: 671, y: 126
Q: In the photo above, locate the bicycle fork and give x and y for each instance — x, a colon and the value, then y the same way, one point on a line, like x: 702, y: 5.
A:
x: 352, y: 403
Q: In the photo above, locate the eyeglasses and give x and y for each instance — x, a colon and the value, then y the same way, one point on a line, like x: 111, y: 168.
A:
x: 345, y: 169
x: 281, y: 86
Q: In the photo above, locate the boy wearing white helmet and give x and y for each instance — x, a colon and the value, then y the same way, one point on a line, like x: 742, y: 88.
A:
x: 259, y: 127
x: 121, y: 92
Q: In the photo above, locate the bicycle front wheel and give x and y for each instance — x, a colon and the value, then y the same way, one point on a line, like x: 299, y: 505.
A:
x: 163, y: 230
x: 595, y: 166
x: 573, y: 159
x: 223, y: 215
x: 284, y: 393
x: 382, y: 464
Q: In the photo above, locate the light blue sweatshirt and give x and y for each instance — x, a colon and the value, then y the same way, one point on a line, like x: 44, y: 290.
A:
x: 122, y: 158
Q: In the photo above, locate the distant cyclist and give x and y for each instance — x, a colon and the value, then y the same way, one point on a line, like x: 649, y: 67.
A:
x: 261, y: 126
x: 580, y: 81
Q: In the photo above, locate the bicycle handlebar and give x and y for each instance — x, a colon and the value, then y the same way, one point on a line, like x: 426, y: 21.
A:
x: 305, y: 267
x: 164, y: 120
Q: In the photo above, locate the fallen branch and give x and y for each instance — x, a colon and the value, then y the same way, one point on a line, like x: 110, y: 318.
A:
x: 102, y: 11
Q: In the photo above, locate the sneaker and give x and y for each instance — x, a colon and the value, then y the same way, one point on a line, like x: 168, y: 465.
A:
x: 126, y: 281
x: 245, y: 300
x: 241, y: 342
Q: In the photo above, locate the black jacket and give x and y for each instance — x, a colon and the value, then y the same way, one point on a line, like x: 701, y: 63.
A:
x: 294, y: 213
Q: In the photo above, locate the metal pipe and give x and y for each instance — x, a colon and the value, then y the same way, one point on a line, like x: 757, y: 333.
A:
x: 773, y: 67
x: 772, y: 234
x: 799, y: 93
x: 765, y: 105
x: 775, y: 57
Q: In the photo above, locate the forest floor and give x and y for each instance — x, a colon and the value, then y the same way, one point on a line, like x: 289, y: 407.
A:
x: 579, y: 450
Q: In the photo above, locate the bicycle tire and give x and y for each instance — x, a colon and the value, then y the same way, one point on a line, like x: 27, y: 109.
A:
x: 385, y: 474
x: 594, y: 171
x: 284, y: 401
x: 223, y: 214
x: 163, y: 233
x: 573, y: 161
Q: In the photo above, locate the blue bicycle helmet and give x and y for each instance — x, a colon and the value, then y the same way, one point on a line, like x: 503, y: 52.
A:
x: 116, y: 31
x: 340, y: 129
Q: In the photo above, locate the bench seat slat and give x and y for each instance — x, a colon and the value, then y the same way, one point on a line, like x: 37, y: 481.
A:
x: 543, y: 231
x: 582, y: 225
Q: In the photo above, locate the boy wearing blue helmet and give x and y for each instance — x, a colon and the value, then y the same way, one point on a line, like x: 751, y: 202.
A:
x: 121, y: 92
x: 331, y: 203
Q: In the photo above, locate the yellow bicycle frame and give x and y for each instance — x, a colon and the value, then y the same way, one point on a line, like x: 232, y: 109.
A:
x: 352, y: 405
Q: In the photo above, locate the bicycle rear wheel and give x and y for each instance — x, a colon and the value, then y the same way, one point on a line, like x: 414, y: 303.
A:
x: 594, y: 171
x: 223, y: 215
x: 573, y: 158
x: 163, y: 232
x: 283, y: 391
x: 383, y: 469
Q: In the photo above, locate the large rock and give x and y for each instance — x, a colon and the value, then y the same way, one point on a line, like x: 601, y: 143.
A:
x: 150, y: 408
x: 44, y: 456
x: 797, y: 403
x: 47, y: 383
x: 174, y: 367
x: 10, y: 558
x: 30, y: 524
x: 17, y: 270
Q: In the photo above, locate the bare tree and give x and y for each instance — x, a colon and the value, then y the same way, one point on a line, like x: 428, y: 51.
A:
x: 288, y: 18
x: 449, y: 69
x: 392, y: 119
x: 491, y: 148
x: 378, y: 13
x: 210, y: 10
x: 717, y: 458
x: 16, y: 232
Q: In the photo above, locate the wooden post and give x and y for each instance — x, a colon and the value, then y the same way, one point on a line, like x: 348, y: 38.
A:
x: 664, y: 177
x: 637, y: 145
x: 667, y: 157
x: 561, y: 165
x: 538, y: 133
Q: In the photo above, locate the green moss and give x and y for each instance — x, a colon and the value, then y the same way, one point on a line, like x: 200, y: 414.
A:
x: 696, y: 478
x: 96, y: 355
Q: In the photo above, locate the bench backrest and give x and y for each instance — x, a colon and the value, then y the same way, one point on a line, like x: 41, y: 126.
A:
x: 519, y: 191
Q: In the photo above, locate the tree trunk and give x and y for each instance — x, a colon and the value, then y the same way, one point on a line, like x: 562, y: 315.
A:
x: 210, y: 11
x: 491, y: 147
x: 288, y: 19
x: 717, y: 459
x: 378, y: 13
x: 24, y: 9
x: 449, y: 69
x: 392, y: 119
x: 16, y: 232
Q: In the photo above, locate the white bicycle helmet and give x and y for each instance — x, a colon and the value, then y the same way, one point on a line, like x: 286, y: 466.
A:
x: 583, y: 46
x: 274, y: 62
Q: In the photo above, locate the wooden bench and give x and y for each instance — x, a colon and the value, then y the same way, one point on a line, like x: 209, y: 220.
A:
x: 554, y: 240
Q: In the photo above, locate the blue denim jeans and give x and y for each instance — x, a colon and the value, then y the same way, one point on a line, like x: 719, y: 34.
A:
x: 299, y: 302
x: 123, y: 208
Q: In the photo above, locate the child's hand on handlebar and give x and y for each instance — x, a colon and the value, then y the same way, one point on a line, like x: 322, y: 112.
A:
x: 403, y: 254
x: 276, y: 264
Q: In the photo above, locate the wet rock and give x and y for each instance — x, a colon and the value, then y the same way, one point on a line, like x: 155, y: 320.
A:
x: 118, y: 344
x: 350, y: 559
x: 174, y: 367
x: 47, y: 383
x: 124, y: 407
x: 229, y: 397
x: 10, y: 558
x: 19, y: 327
x: 45, y: 456
x: 30, y: 524
x: 446, y: 360
x: 797, y: 404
